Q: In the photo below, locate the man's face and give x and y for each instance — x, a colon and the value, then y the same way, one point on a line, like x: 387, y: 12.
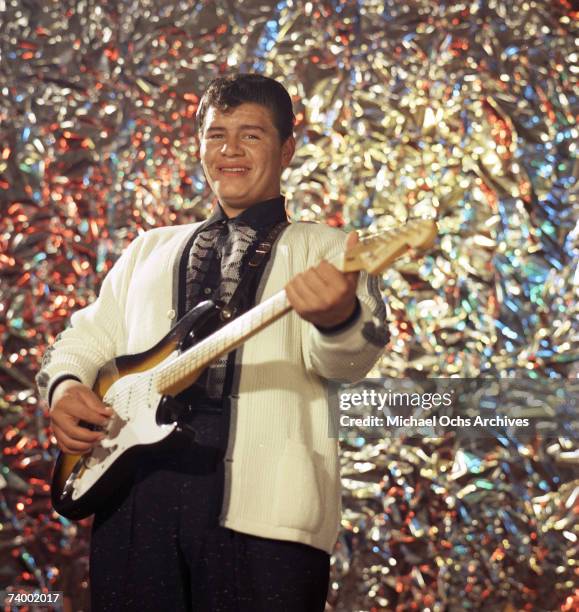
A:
x: 242, y: 156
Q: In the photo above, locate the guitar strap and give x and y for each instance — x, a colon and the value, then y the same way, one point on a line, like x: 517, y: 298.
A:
x: 258, y: 257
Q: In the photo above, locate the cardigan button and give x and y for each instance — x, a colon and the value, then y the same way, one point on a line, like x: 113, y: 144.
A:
x: 171, y: 313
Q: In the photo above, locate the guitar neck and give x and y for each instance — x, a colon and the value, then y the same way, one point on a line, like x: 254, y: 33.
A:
x: 373, y: 254
x: 175, y: 376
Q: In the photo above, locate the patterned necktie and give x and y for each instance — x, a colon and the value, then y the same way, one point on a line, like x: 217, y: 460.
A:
x: 229, y: 243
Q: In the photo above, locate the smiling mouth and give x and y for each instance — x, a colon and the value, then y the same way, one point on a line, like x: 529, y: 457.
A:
x: 237, y: 171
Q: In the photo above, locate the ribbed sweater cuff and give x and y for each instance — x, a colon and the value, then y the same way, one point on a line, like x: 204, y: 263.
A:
x: 328, y: 331
x: 54, y: 383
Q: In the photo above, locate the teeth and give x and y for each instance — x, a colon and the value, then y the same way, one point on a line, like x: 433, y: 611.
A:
x: 233, y: 169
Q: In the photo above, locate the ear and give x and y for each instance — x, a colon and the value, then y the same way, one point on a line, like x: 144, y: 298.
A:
x: 197, y: 140
x: 288, y: 148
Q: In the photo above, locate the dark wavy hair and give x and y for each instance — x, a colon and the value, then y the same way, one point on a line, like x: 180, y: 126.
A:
x: 231, y: 91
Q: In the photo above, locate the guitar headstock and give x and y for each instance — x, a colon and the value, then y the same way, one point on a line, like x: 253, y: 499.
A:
x: 375, y: 253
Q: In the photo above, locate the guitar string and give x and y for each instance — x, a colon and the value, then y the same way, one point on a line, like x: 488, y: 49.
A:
x: 210, y: 348
x: 235, y: 332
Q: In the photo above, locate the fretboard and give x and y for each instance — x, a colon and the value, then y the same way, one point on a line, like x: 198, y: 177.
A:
x: 169, y: 377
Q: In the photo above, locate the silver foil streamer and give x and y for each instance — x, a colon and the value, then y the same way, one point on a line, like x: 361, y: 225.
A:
x: 464, y: 111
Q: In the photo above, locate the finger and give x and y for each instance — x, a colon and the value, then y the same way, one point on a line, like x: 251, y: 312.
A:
x: 340, y: 286
x: 352, y: 278
x: 92, y: 400
x: 352, y: 239
x: 73, y: 442
x: 319, y: 282
x: 68, y: 445
x: 296, y: 298
x: 73, y: 430
x: 81, y: 394
x: 331, y: 276
x: 312, y: 299
x: 77, y: 451
x: 81, y: 412
x: 82, y: 434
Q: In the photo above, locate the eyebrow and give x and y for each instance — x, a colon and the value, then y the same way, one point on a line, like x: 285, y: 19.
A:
x: 245, y: 126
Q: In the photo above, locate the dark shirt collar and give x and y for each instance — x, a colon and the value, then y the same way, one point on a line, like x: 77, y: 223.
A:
x: 259, y: 215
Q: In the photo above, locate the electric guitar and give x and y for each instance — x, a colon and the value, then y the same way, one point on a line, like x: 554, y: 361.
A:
x: 140, y: 388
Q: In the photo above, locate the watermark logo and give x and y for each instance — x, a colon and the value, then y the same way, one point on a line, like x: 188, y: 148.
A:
x: 378, y: 408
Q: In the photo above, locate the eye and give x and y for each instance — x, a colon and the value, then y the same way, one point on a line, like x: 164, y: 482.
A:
x: 251, y: 137
x: 213, y: 136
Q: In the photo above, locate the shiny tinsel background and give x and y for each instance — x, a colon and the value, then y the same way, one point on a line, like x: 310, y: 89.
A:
x: 461, y: 110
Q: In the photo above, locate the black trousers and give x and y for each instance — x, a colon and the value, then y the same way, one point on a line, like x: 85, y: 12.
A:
x: 159, y: 547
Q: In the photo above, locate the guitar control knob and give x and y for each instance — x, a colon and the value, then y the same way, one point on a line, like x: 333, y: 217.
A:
x: 226, y: 314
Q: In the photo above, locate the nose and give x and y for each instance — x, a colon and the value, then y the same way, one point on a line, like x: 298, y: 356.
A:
x: 231, y: 147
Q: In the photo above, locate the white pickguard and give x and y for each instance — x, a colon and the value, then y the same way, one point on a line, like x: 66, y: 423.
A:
x: 134, y: 400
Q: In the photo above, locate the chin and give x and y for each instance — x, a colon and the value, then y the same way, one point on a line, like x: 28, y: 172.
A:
x: 232, y: 199
x: 238, y: 205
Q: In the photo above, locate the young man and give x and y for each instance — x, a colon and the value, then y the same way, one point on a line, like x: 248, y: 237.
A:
x: 246, y: 516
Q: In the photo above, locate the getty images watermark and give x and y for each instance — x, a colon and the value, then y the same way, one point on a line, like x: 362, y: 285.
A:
x: 378, y: 408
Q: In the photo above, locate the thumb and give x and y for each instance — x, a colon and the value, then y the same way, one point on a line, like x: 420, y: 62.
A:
x: 352, y: 239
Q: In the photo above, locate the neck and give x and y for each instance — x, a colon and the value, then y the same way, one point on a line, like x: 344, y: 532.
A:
x: 232, y: 211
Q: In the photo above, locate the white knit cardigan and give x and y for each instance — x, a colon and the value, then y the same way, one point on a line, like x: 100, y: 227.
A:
x: 282, y: 471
